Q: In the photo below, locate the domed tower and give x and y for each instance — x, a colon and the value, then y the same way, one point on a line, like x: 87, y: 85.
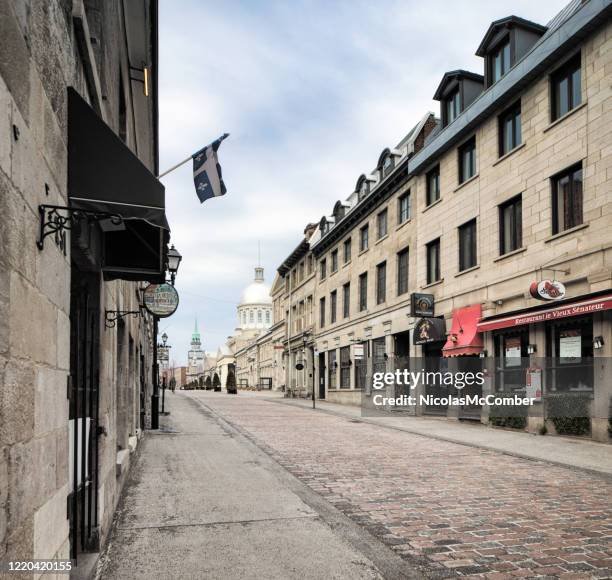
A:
x: 255, y: 308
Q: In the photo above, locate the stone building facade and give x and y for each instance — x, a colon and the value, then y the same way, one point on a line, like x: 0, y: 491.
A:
x: 76, y: 372
x: 297, y: 302
x: 509, y: 187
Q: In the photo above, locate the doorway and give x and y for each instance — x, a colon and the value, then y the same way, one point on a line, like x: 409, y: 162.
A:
x: 434, y: 391
x: 321, y: 375
x: 83, y: 418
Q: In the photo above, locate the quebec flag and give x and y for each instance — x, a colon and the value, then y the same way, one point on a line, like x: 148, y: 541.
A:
x: 207, y: 171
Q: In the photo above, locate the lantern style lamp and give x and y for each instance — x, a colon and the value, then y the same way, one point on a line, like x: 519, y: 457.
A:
x: 174, y: 259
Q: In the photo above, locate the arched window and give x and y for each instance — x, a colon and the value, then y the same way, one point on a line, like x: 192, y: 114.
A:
x: 259, y: 316
x: 243, y: 317
x: 251, y: 317
x: 267, y: 317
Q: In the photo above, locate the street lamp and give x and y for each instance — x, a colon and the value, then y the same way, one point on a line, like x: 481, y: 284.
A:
x: 164, y: 358
x: 174, y: 259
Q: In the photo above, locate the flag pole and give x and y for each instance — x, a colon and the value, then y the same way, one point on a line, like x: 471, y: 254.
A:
x: 174, y: 167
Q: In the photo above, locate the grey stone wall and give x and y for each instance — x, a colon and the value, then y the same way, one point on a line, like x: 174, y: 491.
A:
x: 39, y: 59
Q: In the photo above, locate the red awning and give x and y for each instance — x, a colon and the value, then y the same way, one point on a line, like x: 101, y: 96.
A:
x: 559, y: 310
x: 463, y: 338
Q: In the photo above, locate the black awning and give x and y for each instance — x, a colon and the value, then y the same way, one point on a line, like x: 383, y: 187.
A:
x: 104, y: 175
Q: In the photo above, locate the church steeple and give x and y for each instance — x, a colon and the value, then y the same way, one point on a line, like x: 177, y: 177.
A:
x: 195, y: 337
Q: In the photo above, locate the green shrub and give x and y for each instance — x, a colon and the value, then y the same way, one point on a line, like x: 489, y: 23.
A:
x: 569, y: 413
x: 512, y: 417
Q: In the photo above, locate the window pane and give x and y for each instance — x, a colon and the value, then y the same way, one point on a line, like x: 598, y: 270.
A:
x: 576, y: 88
x: 381, y: 283
x: 433, y: 266
x: 506, y: 58
x: 518, y: 138
x: 402, y: 272
x: 562, y: 97
x: 497, y: 70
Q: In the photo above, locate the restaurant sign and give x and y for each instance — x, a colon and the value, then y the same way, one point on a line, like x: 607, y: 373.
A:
x: 161, y: 300
x: 547, y: 290
x: 580, y: 308
x: 429, y: 330
x: 421, y: 304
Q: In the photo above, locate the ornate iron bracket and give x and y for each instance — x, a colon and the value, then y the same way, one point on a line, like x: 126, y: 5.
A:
x: 56, y: 220
x: 111, y: 316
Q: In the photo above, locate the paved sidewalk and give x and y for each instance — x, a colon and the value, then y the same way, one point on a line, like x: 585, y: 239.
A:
x: 566, y: 451
x: 204, y: 502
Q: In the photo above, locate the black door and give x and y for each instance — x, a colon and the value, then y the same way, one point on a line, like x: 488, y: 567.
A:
x: 84, y: 402
x: 321, y: 375
x: 434, y: 390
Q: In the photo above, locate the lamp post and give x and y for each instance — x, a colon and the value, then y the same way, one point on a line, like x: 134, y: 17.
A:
x: 305, y: 341
x: 173, y: 261
x: 164, y: 358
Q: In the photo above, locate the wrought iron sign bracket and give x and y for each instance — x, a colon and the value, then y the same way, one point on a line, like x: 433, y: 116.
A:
x: 56, y: 220
x: 111, y: 316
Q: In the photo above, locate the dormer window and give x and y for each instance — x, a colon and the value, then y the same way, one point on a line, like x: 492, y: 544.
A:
x: 453, y: 106
x: 364, y: 190
x: 324, y: 225
x: 386, y: 162
x: 505, y: 43
x: 339, y: 211
x: 387, y: 165
x: 499, y: 61
x: 457, y: 91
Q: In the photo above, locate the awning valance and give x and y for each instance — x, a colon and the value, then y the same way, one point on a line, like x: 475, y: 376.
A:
x: 104, y: 176
x: 556, y: 310
x: 463, y: 338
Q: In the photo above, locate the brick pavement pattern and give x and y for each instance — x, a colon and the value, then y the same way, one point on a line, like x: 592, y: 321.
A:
x: 451, y: 510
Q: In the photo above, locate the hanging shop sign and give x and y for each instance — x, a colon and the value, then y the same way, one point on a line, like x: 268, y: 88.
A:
x: 358, y: 351
x: 421, y: 305
x: 161, y: 300
x: 429, y: 330
x: 547, y: 290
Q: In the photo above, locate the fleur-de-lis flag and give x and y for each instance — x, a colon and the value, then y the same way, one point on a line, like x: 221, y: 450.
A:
x: 207, y: 171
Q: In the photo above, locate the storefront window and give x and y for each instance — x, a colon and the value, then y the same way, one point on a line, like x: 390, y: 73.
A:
x: 511, y: 359
x: 379, y: 363
x: 361, y: 367
x: 569, y: 350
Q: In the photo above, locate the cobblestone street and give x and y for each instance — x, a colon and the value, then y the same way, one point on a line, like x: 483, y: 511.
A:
x: 448, y: 509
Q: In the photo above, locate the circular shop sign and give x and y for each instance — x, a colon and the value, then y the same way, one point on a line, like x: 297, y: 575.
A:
x: 547, y: 290
x: 161, y: 300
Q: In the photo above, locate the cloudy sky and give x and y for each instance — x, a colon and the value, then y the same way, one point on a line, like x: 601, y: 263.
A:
x: 311, y: 91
